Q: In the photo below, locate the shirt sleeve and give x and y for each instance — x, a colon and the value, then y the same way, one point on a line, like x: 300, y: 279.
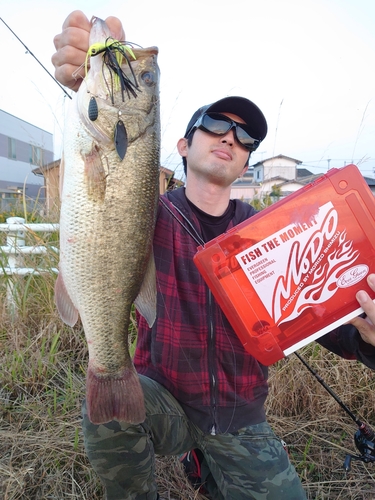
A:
x: 345, y: 341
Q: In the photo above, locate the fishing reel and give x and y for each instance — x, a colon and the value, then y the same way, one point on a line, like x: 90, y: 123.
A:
x: 364, y: 440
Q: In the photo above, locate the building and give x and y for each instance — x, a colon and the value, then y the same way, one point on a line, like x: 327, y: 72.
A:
x: 371, y: 184
x: 51, y: 174
x: 23, y: 147
x: 168, y: 181
x: 279, y: 176
x: 261, y: 178
x: 278, y: 166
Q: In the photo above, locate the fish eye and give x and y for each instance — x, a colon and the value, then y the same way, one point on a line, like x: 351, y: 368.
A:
x: 148, y: 78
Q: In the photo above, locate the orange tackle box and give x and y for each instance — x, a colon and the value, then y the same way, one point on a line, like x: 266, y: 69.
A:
x: 289, y: 274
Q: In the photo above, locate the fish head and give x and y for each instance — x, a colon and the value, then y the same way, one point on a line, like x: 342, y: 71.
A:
x: 122, y: 84
x: 140, y: 112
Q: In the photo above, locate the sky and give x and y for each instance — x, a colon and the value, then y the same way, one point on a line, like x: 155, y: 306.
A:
x: 308, y: 64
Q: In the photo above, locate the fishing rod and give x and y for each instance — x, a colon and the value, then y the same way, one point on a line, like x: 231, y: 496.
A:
x: 364, y: 437
x: 29, y: 51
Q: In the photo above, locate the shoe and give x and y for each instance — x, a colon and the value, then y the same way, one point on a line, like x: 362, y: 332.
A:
x: 192, y: 464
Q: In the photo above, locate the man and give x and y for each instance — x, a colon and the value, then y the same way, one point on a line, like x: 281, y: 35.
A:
x: 202, y: 390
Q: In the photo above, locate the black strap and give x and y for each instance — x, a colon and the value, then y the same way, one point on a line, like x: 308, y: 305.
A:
x: 196, y: 237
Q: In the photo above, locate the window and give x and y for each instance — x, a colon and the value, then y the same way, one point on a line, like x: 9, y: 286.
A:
x: 36, y: 156
x: 12, y: 148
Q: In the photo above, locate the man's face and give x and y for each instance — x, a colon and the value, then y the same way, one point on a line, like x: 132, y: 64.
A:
x: 218, y: 159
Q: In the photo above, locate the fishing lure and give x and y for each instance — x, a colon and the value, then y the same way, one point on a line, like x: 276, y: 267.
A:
x: 93, y: 110
x: 114, y: 54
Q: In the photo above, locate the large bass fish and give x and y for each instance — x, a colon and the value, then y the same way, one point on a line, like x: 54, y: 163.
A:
x: 109, y: 194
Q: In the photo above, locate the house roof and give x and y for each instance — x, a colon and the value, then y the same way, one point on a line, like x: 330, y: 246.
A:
x: 284, y: 181
x: 278, y: 156
x: 303, y: 172
x: 238, y: 183
x: 370, y: 180
x: 49, y: 166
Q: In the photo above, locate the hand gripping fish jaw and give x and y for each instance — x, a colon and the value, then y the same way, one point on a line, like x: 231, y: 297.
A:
x: 113, y: 54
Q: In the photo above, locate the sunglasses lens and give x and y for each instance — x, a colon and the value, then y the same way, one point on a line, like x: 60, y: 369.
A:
x: 220, y: 125
x: 216, y: 125
x: 243, y: 137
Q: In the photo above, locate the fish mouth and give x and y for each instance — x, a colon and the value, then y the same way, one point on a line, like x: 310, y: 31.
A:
x: 99, y: 29
x: 145, y: 52
x: 116, y: 75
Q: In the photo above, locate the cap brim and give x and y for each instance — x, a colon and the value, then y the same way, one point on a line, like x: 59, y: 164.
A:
x: 245, y: 109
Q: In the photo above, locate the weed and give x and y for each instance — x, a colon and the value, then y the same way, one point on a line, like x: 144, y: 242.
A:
x: 42, y: 383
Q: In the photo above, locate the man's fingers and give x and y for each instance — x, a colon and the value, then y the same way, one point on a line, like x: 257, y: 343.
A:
x: 77, y: 19
x: 115, y: 25
x: 72, y: 45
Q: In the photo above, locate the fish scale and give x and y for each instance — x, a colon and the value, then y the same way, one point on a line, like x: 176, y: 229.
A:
x: 108, y: 211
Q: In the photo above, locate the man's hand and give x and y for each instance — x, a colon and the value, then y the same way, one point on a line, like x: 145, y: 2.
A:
x: 366, y: 327
x: 72, y: 45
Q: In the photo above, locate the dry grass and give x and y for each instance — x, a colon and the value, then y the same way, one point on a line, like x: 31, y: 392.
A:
x: 319, y: 433
x: 42, y: 384
x: 41, y: 448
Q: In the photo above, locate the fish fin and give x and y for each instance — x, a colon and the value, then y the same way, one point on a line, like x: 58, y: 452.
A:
x: 119, y: 397
x: 67, y: 310
x: 95, y: 175
x: 146, y: 299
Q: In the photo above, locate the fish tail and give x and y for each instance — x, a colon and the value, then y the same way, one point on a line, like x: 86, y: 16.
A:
x: 115, y: 397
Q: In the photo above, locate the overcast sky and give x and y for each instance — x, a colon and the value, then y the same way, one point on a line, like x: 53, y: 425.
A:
x: 308, y: 64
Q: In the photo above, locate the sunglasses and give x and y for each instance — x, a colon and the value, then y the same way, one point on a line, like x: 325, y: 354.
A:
x: 218, y: 124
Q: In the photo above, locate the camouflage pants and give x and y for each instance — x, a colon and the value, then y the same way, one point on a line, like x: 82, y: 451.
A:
x: 248, y: 464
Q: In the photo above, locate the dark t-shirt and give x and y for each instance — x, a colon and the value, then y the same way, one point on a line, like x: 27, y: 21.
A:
x: 211, y: 225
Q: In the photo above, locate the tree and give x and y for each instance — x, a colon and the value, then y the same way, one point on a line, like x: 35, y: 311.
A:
x: 261, y: 202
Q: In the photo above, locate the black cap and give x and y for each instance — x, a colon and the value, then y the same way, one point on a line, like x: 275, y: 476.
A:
x: 240, y: 106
